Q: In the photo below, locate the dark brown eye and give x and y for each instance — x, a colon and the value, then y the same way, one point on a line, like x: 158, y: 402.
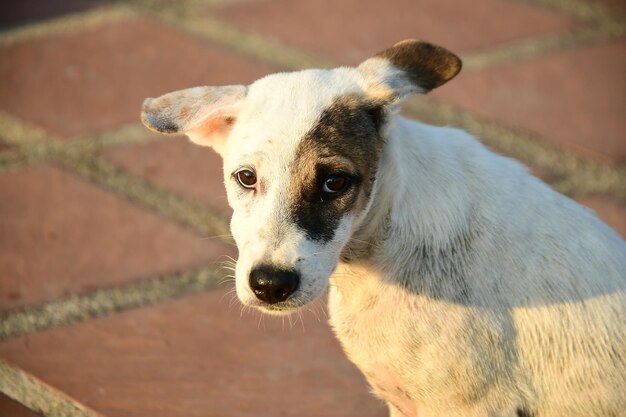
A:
x: 246, y: 178
x: 336, y: 183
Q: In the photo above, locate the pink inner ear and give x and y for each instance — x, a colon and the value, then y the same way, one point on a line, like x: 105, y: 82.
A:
x: 214, y: 125
x: 223, y: 108
x: 212, y: 122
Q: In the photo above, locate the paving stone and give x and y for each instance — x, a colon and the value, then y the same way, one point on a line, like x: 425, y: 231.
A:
x: 91, y: 81
x: 196, y: 357
x: 612, y: 212
x: 178, y: 165
x: 349, y: 31
x: 617, y: 6
x: 26, y: 11
x: 61, y: 236
x: 4, y: 147
x: 575, y: 99
x: 11, y: 408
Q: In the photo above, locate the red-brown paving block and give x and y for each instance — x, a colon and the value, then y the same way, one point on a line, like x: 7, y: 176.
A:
x: 575, y: 99
x: 4, y: 147
x: 617, y: 6
x: 612, y: 212
x: 11, y: 408
x: 61, y: 236
x: 94, y: 80
x: 20, y: 12
x: 196, y: 357
x: 349, y: 31
x: 178, y: 165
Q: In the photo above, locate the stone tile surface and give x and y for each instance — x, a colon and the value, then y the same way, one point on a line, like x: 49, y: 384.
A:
x: 576, y: 99
x: 91, y: 81
x: 176, y: 164
x: 4, y: 147
x: 351, y: 30
x: 61, y: 236
x: 612, y: 212
x: 28, y: 11
x: 618, y: 7
x: 196, y: 357
x: 11, y: 408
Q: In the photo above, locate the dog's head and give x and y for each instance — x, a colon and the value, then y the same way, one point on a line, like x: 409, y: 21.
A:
x: 301, y: 152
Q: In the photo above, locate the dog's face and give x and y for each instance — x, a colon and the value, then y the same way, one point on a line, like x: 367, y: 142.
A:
x: 299, y: 167
x: 301, y: 152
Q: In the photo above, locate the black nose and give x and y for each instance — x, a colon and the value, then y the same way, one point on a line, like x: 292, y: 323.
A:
x: 273, y: 285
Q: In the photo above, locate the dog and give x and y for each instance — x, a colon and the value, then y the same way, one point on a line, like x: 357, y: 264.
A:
x: 459, y: 284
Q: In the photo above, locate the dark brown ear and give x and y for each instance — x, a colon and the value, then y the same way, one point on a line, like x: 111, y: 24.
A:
x: 411, y: 66
x: 205, y: 114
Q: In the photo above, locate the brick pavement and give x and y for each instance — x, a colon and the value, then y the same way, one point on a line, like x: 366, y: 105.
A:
x: 111, y: 238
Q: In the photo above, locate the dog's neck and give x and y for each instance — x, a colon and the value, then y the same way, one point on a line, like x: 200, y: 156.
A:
x: 419, y: 211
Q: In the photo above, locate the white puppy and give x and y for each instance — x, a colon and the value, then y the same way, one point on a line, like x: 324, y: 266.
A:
x: 459, y: 284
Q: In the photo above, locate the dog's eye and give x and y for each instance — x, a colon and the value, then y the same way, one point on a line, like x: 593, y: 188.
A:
x: 246, y: 178
x: 336, y: 183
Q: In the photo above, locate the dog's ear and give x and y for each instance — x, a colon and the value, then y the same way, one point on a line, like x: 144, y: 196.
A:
x: 205, y: 114
x: 409, y: 67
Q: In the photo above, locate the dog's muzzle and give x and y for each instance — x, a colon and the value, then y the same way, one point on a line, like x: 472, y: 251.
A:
x: 273, y: 285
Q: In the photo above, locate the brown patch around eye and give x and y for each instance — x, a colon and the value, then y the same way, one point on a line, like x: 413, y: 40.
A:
x: 347, y: 134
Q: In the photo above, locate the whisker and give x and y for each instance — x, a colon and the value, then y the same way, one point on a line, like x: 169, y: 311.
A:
x: 228, y: 267
x: 233, y: 300
x: 229, y: 292
x: 258, y: 325
x: 227, y: 262
x: 301, y: 320
x: 233, y: 260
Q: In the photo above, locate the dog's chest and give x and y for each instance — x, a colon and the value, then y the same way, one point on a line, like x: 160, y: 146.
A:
x: 390, y: 388
x: 370, y: 331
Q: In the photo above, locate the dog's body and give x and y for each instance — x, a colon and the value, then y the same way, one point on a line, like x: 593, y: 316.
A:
x: 461, y: 285
x: 517, y: 328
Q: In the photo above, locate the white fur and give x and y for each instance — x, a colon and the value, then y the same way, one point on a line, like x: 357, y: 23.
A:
x: 546, y: 325
x: 479, y: 291
x: 263, y: 139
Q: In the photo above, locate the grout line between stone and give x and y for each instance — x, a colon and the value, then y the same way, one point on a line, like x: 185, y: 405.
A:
x: 106, y: 301
x: 582, y: 9
x: 139, y: 190
x: 67, y: 24
x: 38, y: 396
x: 249, y: 43
x: 576, y: 175
x: 18, y: 133
x: 28, y: 137
x: 15, y: 159
x: 531, y: 48
x: 125, y: 135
